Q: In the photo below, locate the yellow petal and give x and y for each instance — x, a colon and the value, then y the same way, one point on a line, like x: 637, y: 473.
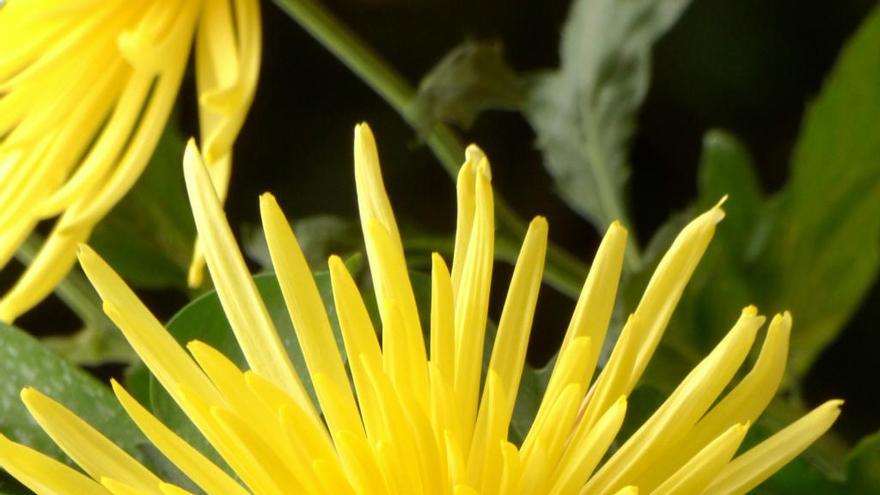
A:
x: 241, y: 302
x: 466, y: 192
x: 168, y: 362
x: 511, y: 341
x: 472, y: 302
x: 705, y: 465
x: 596, y: 301
x: 442, y: 319
x: 571, y: 474
x: 189, y: 460
x: 668, y: 282
x: 97, y: 455
x: 309, y: 317
x: 690, y: 400
x: 373, y: 203
x: 756, y: 465
x: 42, y: 474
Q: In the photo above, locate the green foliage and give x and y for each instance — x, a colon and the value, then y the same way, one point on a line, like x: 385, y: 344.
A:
x: 863, y: 467
x: 471, y: 78
x: 827, y: 226
x: 24, y: 362
x: 584, y: 113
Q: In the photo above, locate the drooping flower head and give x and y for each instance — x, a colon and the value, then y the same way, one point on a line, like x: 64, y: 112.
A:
x: 397, y: 417
x: 86, y: 88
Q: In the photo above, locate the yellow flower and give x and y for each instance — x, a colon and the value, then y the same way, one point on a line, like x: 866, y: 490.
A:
x: 410, y: 421
x: 86, y: 88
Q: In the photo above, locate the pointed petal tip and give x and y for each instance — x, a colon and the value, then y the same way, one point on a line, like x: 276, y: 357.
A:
x: 539, y: 223
x: 617, y: 227
x: 30, y: 395
x: 192, y: 159
x: 335, y: 263
x: 267, y: 198
x: 716, y: 213
x: 116, y: 386
x: 362, y: 131
x: 474, y: 154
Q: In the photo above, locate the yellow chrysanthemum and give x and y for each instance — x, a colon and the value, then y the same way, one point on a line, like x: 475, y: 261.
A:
x: 405, y: 421
x: 86, y: 88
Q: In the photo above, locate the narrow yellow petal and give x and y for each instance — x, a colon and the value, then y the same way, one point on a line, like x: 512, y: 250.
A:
x: 309, y: 317
x: 485, y: 461
x: 442, y: 318
x: 168, y: 362
x: 472, y: 302
x: 512, y: 469
x: 359, y: 338
x: 169, y: 489
x: 690, y: 400
x: 361, y: 464
x: 511, y: 341
x: 466, y: 193
x: 332, y: 480
x: 402, y: 328
x: 697, y: 473
x: 742, y: 405
x: 585, y: 455
x: 269, y: 474
x: 514, y: 328
x: 42, y: 474
x: 190, y: 461
x: 238, y: 446
x: 612, y: 382
x: 551, y: 438
x: 152, y: 122
x: 241, y: 302
x: 592, y: 313
x: 97, y: 455
x: 119, y: 488
x: 756, y: 465
x: 373, y: 203
x: 668, y: 282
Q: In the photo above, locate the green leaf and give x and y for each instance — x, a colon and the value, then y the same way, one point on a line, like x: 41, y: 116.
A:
x: 148, y: 237
x: 825, y: 240
x: 26, y: 363
x: 471, y: 78
x: 584, y: 113
x: 863, y: 467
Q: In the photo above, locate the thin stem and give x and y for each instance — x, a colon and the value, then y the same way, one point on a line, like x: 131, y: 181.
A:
x: 565, y: 270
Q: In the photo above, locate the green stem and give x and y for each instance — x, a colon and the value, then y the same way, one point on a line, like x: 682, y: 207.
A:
x: 563, y: 270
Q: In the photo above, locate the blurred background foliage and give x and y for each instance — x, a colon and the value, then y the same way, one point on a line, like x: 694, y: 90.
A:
x: 644, y: 111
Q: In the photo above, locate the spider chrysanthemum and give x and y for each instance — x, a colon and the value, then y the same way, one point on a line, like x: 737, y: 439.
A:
x: 404, y: 418
x: 86, y: 88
